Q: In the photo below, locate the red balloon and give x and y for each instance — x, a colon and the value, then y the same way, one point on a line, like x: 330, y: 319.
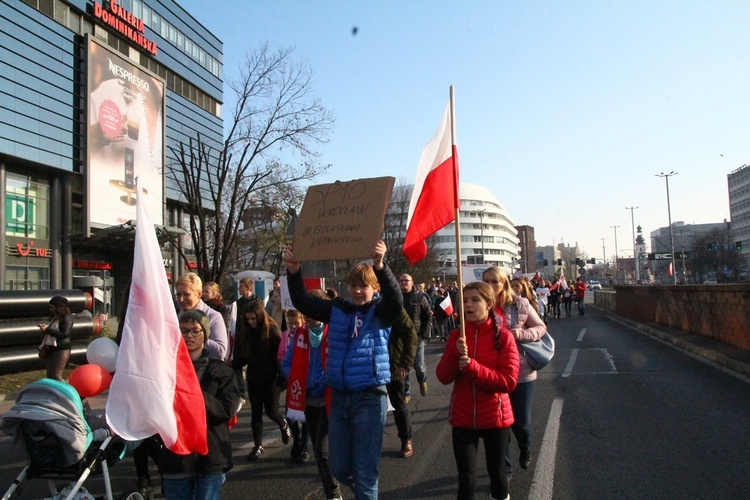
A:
x: 90, y: 380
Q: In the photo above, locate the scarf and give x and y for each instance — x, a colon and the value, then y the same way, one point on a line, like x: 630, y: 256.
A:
x: 296, y: 394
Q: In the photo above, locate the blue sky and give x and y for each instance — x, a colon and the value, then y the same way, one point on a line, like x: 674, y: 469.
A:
x: 564, y: 110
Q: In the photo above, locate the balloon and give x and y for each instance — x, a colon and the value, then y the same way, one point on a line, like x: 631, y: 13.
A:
x: 90, y: 380
x: 103, y: 352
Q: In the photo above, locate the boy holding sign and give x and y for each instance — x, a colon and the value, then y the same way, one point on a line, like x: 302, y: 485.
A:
x: 358, y: 333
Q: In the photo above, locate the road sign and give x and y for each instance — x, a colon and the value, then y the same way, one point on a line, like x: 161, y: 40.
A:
x: 667, y: 256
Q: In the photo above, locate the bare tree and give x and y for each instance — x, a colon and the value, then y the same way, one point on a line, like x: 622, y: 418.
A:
x: 274, y: 114
x: 394, y: 234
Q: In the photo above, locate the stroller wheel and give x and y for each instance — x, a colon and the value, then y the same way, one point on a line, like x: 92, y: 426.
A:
x: 132, y: 496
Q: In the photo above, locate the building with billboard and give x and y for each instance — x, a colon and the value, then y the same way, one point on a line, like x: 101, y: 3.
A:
x: 739, y: 206
x: 94, y: 96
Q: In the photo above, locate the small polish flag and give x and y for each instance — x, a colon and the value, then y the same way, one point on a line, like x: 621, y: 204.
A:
x: 447, y: 305
x: 669, y: 269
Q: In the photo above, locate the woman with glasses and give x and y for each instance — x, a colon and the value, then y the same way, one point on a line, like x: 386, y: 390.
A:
x: 194, y: 475
x: 188, y: 292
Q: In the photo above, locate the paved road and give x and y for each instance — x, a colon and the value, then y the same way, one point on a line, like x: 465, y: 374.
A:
x: 617, y: 414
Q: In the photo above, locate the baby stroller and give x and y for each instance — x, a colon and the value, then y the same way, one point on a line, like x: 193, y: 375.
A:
x: 48, y: 419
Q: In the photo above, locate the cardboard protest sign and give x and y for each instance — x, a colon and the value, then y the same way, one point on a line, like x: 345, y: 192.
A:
x: 342, y: 220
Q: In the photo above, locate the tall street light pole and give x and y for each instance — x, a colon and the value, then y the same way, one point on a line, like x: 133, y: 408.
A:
x: 617, y: 268
x: 636, y: 271
x: 604, y: 255
x: 669, y: 215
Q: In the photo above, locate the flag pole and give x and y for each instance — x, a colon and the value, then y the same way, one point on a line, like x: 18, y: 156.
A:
x: 457, y: 207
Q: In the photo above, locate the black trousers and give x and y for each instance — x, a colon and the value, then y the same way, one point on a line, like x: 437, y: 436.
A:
x: 397, y: 395
x: 263, y: 397
x: 465, y: 446
x: 317, y: 425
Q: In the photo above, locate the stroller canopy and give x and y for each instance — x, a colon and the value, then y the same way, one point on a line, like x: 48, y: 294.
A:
x: 47, y: 408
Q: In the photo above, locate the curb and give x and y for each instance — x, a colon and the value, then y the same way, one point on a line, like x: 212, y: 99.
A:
x: 712, y: 355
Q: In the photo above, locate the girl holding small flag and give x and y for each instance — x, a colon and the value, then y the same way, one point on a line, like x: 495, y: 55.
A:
x: 304, y: 368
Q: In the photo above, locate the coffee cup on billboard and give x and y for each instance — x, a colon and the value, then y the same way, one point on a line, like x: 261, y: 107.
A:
x: 134, y: 129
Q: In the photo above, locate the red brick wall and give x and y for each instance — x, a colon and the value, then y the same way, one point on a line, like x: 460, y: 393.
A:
x: 717, y: 311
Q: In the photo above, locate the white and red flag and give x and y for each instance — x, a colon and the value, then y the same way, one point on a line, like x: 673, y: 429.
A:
x: 434, y: 201
x: 669, y: 270
x: 446, y: 305
x: 155, y: 389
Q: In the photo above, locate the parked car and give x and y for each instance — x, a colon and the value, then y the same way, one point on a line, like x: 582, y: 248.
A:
x: 595, y: 285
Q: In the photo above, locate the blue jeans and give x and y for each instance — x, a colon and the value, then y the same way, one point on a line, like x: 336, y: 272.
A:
x: 199, y: 487
x: 355, y: 438
x: 420, y: 368
x: 581, y: 306
x: 521, y: 400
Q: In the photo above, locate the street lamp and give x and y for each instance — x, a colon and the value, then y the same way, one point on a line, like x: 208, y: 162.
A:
x: 636, y: 273
x: 669, y: 215
x: 616, y: 266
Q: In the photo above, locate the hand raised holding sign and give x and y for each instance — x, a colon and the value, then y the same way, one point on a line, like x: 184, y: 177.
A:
x: 378, y: 253
x: 291, y: 264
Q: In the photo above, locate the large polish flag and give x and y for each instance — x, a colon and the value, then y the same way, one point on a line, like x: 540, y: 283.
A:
x: 155, y: 389
x: 435, y: 198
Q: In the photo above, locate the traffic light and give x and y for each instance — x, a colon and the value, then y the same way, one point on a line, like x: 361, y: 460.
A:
x: 592, y: 260
x: 710, y: 247
x: 738, y: 245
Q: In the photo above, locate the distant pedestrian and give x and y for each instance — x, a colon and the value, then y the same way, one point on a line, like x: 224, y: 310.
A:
x: 418, y: 307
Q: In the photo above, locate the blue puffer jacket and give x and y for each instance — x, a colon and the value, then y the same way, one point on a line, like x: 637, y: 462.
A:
x: 357, y: 351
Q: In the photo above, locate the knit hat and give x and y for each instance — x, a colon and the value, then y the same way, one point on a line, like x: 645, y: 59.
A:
x: 58, y: 301
x: 199, y: 317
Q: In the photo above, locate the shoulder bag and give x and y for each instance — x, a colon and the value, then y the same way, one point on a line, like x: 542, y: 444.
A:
x: 539, y: 352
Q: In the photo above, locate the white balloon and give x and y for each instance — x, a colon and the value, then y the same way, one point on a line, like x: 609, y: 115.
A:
x: 103, y: 352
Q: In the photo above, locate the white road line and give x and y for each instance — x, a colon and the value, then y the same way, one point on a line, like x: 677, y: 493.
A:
x: 571, y: 362
x: 544, y: 472
x: 580, y: 335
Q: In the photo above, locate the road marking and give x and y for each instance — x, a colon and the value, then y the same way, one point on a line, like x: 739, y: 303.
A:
x: 580, y: 335
x: 544, y: 472
x: 571, y: 362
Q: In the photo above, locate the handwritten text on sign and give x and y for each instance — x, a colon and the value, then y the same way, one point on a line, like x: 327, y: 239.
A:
x: 342, y: 220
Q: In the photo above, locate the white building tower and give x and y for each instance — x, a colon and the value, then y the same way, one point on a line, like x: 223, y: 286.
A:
x: 488, y: 234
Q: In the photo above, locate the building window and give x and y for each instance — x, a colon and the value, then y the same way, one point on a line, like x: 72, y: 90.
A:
x: 27, y: 208
x: 26, y: 278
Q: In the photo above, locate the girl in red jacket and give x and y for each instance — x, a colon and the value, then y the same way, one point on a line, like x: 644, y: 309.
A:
x: 484, y: 369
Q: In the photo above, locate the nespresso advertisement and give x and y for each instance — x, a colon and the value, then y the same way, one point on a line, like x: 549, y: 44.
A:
x: 125, y: 138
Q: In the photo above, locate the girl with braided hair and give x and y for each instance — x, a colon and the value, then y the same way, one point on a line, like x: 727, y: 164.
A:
x: 483, y: 368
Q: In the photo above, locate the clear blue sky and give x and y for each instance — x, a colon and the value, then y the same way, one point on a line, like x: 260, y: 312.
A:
x: 564, y: 110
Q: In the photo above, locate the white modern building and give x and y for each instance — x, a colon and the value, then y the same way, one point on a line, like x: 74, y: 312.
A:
x: 739, y: 206
x: 488, y: 234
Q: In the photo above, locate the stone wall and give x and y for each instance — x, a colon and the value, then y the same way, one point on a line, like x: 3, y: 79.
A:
x: 717, y: 311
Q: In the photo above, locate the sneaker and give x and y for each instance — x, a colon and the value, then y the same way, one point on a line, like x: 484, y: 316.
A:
x: 286, y: 433
x: 423, y: 388
x: 255, y: 454
x: 407, y: 448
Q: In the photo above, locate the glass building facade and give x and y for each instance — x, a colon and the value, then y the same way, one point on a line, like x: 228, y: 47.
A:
x: 45, y: 143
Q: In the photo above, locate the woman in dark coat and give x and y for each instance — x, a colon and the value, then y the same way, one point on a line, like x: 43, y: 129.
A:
x: 57, y: 336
